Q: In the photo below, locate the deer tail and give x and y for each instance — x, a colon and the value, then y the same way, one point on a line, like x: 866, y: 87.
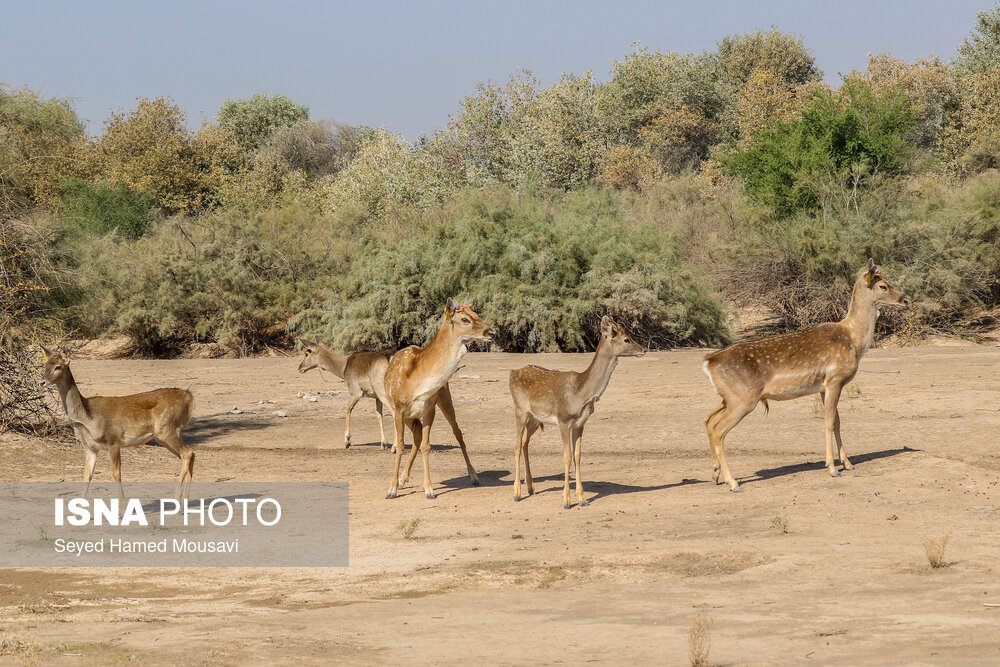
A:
x: 767, y: 408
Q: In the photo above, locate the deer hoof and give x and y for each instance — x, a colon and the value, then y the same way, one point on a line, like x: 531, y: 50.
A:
x: 737, y: 489
x: 566, y: 506
x: 584, y: 503
x: 393, y: 450
x: 474, y: 481
x: 403, y: 481
x: 517, y: 499
x: 391, y: 494
x: 848, y: 465
x: 430, y: 495
x: 834, y: 473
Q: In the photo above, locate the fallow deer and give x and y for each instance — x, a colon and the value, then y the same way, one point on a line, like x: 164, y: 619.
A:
x: 364, y: 373
x: 819, y: 360
x: 417, y: 378
x: 564, y: 398
x: 113, y: 422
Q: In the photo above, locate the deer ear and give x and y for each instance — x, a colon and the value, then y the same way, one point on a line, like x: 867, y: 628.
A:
x: 449, y: 307
x: 46, y: 352
x: 607, y: 325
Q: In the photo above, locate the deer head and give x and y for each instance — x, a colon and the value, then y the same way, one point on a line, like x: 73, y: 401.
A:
x: 878, y: 289
x: 621, y: 343
x: 56, y: 368
x: 465, y: 323
x: 311, y: 360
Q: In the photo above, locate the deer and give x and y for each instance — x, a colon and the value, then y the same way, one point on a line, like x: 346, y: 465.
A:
x: 565, y: 399
x: 823, y: 360
x: 114, y: 422
x: 364, y: 373
x: 416, y: 380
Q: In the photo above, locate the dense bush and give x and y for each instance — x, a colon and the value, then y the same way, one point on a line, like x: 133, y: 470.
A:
x: 542, y: 270
x: 103, y: 208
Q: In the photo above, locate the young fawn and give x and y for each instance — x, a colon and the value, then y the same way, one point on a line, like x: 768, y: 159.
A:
x: 819, y: 360
x: 564, y: 398
x: 113, y: 422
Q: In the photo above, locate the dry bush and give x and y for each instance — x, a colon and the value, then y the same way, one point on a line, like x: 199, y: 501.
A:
x: 935, y: 551
x: 24, y: 404
x: 700, y: 640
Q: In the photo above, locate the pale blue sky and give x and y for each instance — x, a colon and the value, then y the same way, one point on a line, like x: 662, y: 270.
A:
x: 406, y: 65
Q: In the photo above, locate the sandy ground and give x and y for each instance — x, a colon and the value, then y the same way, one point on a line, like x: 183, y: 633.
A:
x: 484, y: 579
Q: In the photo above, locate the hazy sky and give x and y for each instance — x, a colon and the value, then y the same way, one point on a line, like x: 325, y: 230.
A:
x: 406, y: 65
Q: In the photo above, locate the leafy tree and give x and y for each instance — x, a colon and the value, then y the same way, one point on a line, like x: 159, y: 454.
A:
x: 252, y: 121
x: 980, y: 51
x: 782, y: 53
x: 840, y: 140
x: 971, y: 143
x: 150, y: 149
x: 39, y: 139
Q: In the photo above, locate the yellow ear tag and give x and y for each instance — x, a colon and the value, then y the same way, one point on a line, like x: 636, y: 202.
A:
x: 46, y: 356
x: 868, y: 278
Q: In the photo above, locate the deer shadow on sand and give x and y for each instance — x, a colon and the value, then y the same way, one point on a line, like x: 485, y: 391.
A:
x: 781, y: 471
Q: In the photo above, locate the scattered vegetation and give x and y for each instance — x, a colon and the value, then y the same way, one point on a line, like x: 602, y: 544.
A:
x: 780, y: 524
x: 700, y: 640
x: 935, y: 551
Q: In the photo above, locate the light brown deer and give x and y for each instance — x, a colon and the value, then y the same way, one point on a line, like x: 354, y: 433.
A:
x: 417, y: 378
x: 564, y: 398
x: 114, y: 422
x: 364, y: 374
x: 362, y: 371
x: 819, y: 360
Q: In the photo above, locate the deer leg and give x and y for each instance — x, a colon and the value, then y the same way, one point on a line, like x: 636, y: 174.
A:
x: 518, y: 447
x: 397, y: 446
x: 89, y: 464
x: 447, y: 408
x: 527, y: 466
x: 840, y: 443
x: 415, y: 430
x: 347, y: 427
x: 831, y: 396
x: 577, y: 439
x: 174, y: 443
x: 709, y: 423
x: 381, y: 426
x: 724, y: 423
x: 115, y: 452
x: 425, y: 450
x: 567, y: 461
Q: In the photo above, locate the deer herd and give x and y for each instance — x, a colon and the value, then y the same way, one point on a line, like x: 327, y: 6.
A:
x: 413, y: 383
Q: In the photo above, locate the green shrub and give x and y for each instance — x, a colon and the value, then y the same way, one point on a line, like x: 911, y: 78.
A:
x: 541, y: 270
x: 102, y: 208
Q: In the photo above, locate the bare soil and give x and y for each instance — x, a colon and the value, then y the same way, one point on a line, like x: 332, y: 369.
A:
x: 484, y: 579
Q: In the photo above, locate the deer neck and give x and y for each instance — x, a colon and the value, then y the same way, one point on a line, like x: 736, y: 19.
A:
x: 861, y: 318
x: 439, y: 359
x: 594, y: 380
x: 334, y: 363
x: 73, y: 401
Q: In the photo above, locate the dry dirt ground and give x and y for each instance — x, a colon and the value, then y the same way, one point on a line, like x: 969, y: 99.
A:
x: 485, y: 580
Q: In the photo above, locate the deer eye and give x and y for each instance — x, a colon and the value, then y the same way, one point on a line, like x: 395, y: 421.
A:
x: 465, y: 320
x: 883, y: 287
x: 627, y: 339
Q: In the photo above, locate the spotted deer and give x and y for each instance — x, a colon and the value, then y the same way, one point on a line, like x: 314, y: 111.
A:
x: 114, y: 422
x: 417, y: 379
x: 565, y: 399
x: 819, y: 360
x: 364, y: 374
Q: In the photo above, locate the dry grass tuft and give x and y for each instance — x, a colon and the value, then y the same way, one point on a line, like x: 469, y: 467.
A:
x: 700, y: 640
x: 935, y: 551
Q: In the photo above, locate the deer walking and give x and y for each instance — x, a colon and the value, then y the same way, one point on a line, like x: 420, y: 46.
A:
x: 364, y: 374
x: 417, y: 379
x: 113, y: 422
x: 564, y: 398
x: 819, y: 360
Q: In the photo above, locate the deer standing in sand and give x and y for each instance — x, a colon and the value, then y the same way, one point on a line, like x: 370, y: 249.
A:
x: 114, y: 422
x: 417, y: 378
x: 564, y: 398
x: 364, y: 374
x: 819, y: 360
